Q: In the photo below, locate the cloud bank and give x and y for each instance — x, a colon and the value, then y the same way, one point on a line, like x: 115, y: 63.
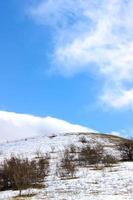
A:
x: 93, y: 36
x: 15, y: 126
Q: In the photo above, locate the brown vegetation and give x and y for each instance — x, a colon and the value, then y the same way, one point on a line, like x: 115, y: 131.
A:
x: 21, y: 173
x: 89, y: 155
x: 67, y: 167
x: 126, y: 149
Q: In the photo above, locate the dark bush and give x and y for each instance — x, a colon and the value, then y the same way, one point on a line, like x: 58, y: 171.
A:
x: 109, y: 160
x: 21, y: 173
x: 126, y: 149
x: 72, y: 148
x: 89, y: 155
x: 83, y: 139
x: 67, y: 167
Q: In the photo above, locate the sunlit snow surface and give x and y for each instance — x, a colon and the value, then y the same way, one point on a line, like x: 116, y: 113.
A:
x: 114, y: 183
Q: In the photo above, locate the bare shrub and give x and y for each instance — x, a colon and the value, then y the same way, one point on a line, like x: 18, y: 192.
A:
x: 15, y: 174
x: 39, y: 154
x: 20, y: 173
x: 52, y: 149
x: 83, y: 139
x: 73, y: 148
x: 109, y: 160
x: 89, y: 155
x: 67, y: 167
x: 4, y: 184
x: 126, y: 149
x: 43, y: 168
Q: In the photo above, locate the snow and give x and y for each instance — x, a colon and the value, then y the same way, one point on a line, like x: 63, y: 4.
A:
x: 17, y: 126
x: 115, y: 183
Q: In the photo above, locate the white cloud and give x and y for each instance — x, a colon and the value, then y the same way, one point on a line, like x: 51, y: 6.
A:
x: 121, y: 133
x: 118, y: 98
x: 16, y: 126
x: 115, y: 133
x: 93, y: 36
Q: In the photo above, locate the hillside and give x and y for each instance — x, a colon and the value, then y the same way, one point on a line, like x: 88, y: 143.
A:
x: 14, y: 126
x: 108, y: 183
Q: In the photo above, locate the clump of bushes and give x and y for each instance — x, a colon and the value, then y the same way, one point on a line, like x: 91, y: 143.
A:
x: 109, y: 160
x: 85, y: 156
x: 67, y: 167
x: 18, y: 173
x: 126, y: 150
x: 89, y: 155
x: 95, y: 156
x: 73, y: 149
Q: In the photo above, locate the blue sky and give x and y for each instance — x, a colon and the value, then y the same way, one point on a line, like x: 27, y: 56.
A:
x: 71, y: 60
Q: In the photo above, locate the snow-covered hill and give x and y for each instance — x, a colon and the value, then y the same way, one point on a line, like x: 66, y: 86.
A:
x: 17, y: 126
x: 114, y: 183
x: 29, y: 146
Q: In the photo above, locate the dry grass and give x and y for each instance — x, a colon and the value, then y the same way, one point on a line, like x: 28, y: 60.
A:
x: 24, y: 197
x: 114, y: 138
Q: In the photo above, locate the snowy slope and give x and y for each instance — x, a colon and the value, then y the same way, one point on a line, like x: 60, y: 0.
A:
x: 46, y: 143
x: 16, y: 126
x: 114, y: 183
